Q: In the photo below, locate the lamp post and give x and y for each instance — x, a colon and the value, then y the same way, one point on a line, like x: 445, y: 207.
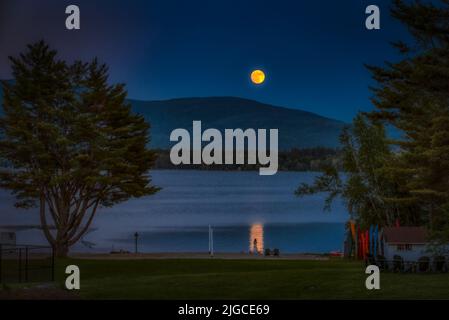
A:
x: 211, y: 241
x: 136, y: 236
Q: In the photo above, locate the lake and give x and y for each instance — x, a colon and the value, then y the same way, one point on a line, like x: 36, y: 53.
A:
x: 246, y: 211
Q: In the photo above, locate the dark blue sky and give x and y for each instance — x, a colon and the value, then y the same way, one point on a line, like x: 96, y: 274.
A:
x: 312, y: 51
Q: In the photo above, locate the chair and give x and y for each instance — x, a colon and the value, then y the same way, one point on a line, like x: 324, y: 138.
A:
x: 267, y: 252
x: 440, y: 264
x: 276, y: 252
x: 381, y: 262
x: 409, y: 266
x: 398, y: 263
x: 370, y: 260
x: 423, y: 264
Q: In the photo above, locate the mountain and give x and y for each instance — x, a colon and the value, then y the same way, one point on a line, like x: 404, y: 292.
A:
x: 297, y: 128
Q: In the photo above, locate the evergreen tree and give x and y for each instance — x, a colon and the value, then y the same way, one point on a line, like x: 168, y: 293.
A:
x: 413, y: 96
x: 72, y: 142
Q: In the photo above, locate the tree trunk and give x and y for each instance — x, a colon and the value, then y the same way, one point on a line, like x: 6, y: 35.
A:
x: 61, y: 250
x: 69, y: 230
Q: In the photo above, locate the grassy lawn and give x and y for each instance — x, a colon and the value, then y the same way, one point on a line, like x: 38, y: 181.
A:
x: 245, y: 279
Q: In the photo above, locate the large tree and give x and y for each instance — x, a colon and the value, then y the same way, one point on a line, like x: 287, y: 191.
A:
x: 413, y: 96
x: 72, y: 143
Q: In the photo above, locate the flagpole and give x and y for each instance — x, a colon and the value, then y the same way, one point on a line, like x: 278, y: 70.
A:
x: 210, y: 248
x: 212, y: 242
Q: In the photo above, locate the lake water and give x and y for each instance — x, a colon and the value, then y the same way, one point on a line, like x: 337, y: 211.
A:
x: 240, y: 206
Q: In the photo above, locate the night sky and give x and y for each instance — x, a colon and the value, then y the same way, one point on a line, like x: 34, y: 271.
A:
x: 312, y: 51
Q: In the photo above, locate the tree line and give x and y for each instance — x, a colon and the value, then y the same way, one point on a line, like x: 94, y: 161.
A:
x: 309, y: 159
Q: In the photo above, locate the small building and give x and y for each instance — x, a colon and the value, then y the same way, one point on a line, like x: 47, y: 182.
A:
x: 7, y: 237
x: 408, y: 242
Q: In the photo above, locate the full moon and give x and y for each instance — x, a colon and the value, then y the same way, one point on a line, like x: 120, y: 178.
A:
x: 258, y: 77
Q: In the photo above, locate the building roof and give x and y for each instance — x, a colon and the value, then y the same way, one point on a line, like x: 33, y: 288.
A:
x: 405, y: 235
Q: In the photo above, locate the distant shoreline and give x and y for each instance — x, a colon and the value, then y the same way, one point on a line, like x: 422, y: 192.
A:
x: 294, y: 160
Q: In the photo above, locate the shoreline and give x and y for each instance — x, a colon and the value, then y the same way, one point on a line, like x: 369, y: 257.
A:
x: 196, y: 255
